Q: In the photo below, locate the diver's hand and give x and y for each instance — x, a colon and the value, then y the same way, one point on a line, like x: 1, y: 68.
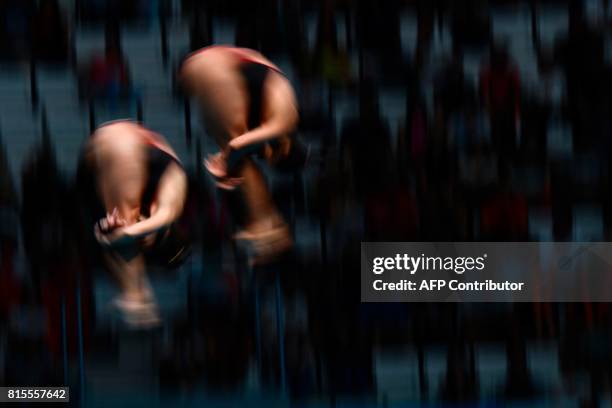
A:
x: 110, y: 231
x: 216, y: 164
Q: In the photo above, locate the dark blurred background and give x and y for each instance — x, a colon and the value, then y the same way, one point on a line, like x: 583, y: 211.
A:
x: 427, y: 120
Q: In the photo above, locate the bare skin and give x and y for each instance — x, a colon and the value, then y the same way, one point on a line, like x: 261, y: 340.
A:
x: 119, y: 157
x: 214, y: 78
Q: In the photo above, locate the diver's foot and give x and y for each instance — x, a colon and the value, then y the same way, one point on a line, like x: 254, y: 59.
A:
x: 138, y: 314
x: 267, y: 244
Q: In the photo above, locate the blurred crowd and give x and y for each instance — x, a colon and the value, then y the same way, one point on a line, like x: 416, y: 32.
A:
x: 485, y: 157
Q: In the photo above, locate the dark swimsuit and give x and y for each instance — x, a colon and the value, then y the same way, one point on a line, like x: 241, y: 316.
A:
x: 159, y: 158
x: 255, y: 75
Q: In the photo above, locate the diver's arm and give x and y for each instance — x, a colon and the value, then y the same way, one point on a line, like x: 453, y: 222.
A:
x: 168, y: 206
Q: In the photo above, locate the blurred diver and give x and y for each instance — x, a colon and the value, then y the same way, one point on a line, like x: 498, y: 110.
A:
x: 251, y: 110
x: 142, y: 189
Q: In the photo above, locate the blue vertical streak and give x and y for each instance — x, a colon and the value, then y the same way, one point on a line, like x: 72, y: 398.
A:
x: 280, y: 328
x: 80, y: 335
x: 257, y: 324
x: 64, y: 340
